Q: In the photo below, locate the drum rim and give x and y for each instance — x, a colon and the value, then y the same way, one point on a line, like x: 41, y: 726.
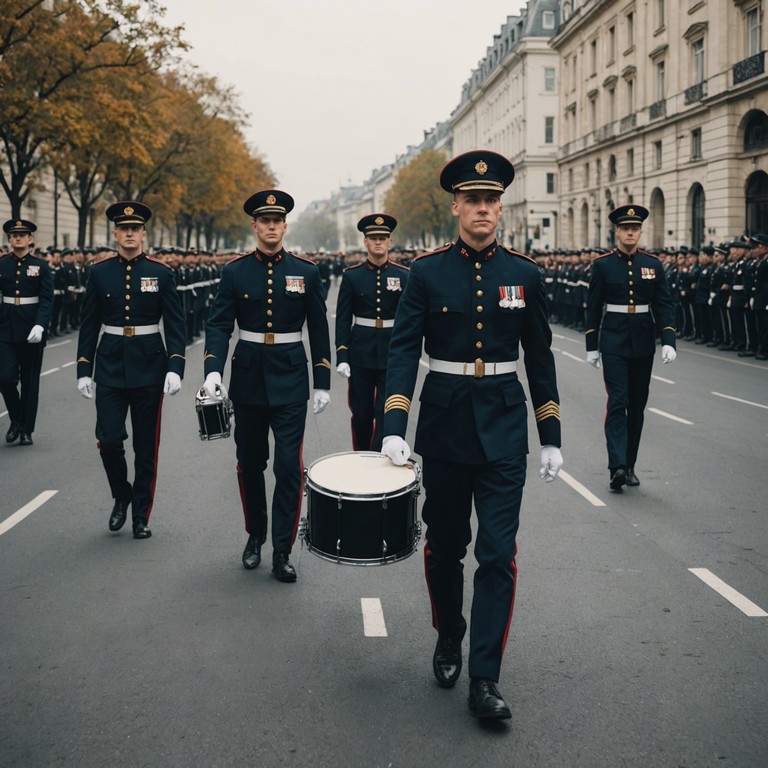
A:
x: 335, y: 494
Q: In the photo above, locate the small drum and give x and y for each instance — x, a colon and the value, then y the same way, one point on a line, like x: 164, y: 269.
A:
x: 361, y: 509
x: 214, y: 416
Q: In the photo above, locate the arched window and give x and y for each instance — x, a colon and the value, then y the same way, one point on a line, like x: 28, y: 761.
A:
x: 698, y: 205
x: 756, y: 131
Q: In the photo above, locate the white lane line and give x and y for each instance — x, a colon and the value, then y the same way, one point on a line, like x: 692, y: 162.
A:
x: 739, y: 400
x: 4, y: 413
x: 670, y: 416
x: 573, y: 357
x: 666, y: 381
x: 745, y: 605
x: 567, y: 338
x: 66, y: 365
x: 579, y: 488
x: 373, y: 617
x: 51, y: 370
x: 58, y: 344
x: 27, y: 509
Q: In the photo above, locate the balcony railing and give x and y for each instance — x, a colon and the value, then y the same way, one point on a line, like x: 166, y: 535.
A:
x: 604, y: 133
x: 696, y: 92
x: 751, y: 67
x: 658, y: 109
x: 628, y: 123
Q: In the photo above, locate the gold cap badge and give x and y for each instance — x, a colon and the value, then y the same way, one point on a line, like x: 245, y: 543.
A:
x: 19, y: 224
x: 271, y: 200
x: 378, y: 220
x: 128, y: 210
x: 481, y: 167
x: 631, y: 212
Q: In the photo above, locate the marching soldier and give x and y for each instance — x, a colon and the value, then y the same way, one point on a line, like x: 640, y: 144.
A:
x: 472, y: 304
x: 630, y: 287
x: 26, y: 287
x: 759, y: 296
x: 128, y: 294
x: 270, y: 294
x: 365, y: 313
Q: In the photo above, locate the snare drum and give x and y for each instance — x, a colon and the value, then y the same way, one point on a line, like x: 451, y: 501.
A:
x: 214, y: 416
x: 361, y: 509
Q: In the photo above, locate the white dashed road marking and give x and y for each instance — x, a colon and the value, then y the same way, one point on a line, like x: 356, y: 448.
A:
x: 373, y: 617
x: 745, y: 605
x: 739, y: 400
x: 27, y: 509
x: 579, y: 488
x: 670, y: 416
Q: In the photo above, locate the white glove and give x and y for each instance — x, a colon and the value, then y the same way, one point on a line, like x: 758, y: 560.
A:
x: 172, y: 383
x: 85, y: 386
x: 709, y: 301
x: 551, y: 461
x: 35, y: 335
x: 343, y: 370
x: 213, y: 386
x: 668, y: 354
x: 320, y: 400
x: 752, y: 303
x: 396, y: 449
x: 593, y: 358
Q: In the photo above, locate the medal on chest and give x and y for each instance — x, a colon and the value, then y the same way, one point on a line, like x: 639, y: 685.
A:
x: 393, y: 284
x: 149, y: 285
x: 511, y: 296
x: 294, y: 284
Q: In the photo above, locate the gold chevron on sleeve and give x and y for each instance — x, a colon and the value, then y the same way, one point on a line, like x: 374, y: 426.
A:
x: 591, y: 330
x: 209, y: 356
x: 338, y: 349
x: 323, y: 364
x: 669, y: 328
x: 550, y: 409
x: 395, y: 402
x: 83, y: 360
x: 175, y: 354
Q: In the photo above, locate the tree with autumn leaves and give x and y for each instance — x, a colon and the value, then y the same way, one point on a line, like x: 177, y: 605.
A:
x: 94, y: 91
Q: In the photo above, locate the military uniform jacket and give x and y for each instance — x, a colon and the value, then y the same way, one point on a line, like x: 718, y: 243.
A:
x: 127, y: 293
x: 628, y: 280
x: 453, y: 301
x: 371, y: 292
x: 27, y: 277
x: 269, y: 294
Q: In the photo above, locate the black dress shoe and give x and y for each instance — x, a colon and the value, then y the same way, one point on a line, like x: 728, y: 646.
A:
x: 632, y: 477
x: 485, y: 700
x: 140, y: 530
x: 12, y: 435
x: 746, y: 353
x: 618, y: 478
x: 119, y: 513
x: 252, y: 553
x: 700, y: 341
x: 281, y: 568
x: 26, y: 439
x: 446, y: 661
x: 761, y: 356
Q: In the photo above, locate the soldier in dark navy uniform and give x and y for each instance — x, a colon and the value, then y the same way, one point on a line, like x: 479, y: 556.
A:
x: 629, y: 299
x: 270, y: 294
x: 128, y: 294
x: 472, y: 304
x: 365, y: 313
x: 759, y: 294
x: 26, y: 287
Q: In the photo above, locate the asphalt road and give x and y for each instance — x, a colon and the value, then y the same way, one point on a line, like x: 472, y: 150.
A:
x: 166, y: 652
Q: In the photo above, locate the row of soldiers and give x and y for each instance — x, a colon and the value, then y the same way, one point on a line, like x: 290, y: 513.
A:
x: 720, y: 291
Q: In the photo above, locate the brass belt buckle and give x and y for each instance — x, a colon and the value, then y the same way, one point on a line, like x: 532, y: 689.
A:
x: 479, y: 368
x: 269, y: 338
x: 379, y: 322
x: 631, y: 309
x: 18, y: 301
x: 129, y: 330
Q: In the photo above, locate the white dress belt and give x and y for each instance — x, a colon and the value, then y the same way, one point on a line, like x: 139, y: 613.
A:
x: 627, y: 309
x: 369, y: 322
x: 17, y: 300
x: 270, y: 338
x: 132, y: 330
x: 478, y: 369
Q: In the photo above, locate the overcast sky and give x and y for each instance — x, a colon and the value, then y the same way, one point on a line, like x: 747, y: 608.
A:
x: 337, y: 88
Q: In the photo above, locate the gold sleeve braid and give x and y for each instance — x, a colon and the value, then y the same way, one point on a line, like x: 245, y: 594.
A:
x: 208, y: 356
x: 83, y: 360
x: 323, y: 364
x: 550, y: 409
x: 395, y: 402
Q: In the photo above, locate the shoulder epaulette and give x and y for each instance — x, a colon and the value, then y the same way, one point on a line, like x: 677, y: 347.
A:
x: 653, y: 256
x: 157, y: 261
x: 603, y: 255
x: 517, y: 253
x: 104, y: 260
x: 442, y: 249
x: 354, y: 266
x: 237, y: 258
x: 398, y: 264
x: 302, y: 258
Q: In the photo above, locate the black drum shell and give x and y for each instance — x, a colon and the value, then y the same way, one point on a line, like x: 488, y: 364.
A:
x: 213, y: 420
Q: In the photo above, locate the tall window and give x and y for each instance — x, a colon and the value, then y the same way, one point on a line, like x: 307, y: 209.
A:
x: 660, y: 87
x: 550, y: 183
x: 549, y: 79
x: 586, y: 174
x: 752, y: 18
x: 657, y: 155
x: 630, y: 30
x: 549, y: 130
x: 630, y: 97
x: 548, y: 20
x: 697, y: 48
x: 570, y: 179
x: 593, y: 114
x: 630, y: 162
x: 612, y: 105
x: 593, y: 57
x: 660, y: 14
x: 611, y: 44
x: 696, y: 144
x: 698, y: 203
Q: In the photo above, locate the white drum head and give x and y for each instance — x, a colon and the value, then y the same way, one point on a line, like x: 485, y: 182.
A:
x: 359, y: 474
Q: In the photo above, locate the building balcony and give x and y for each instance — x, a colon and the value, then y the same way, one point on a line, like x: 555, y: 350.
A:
x: 628, y: 123
x: 748, y: 68
x: 696, y: 92
x: 658, y: 109
x: 604, y: 133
